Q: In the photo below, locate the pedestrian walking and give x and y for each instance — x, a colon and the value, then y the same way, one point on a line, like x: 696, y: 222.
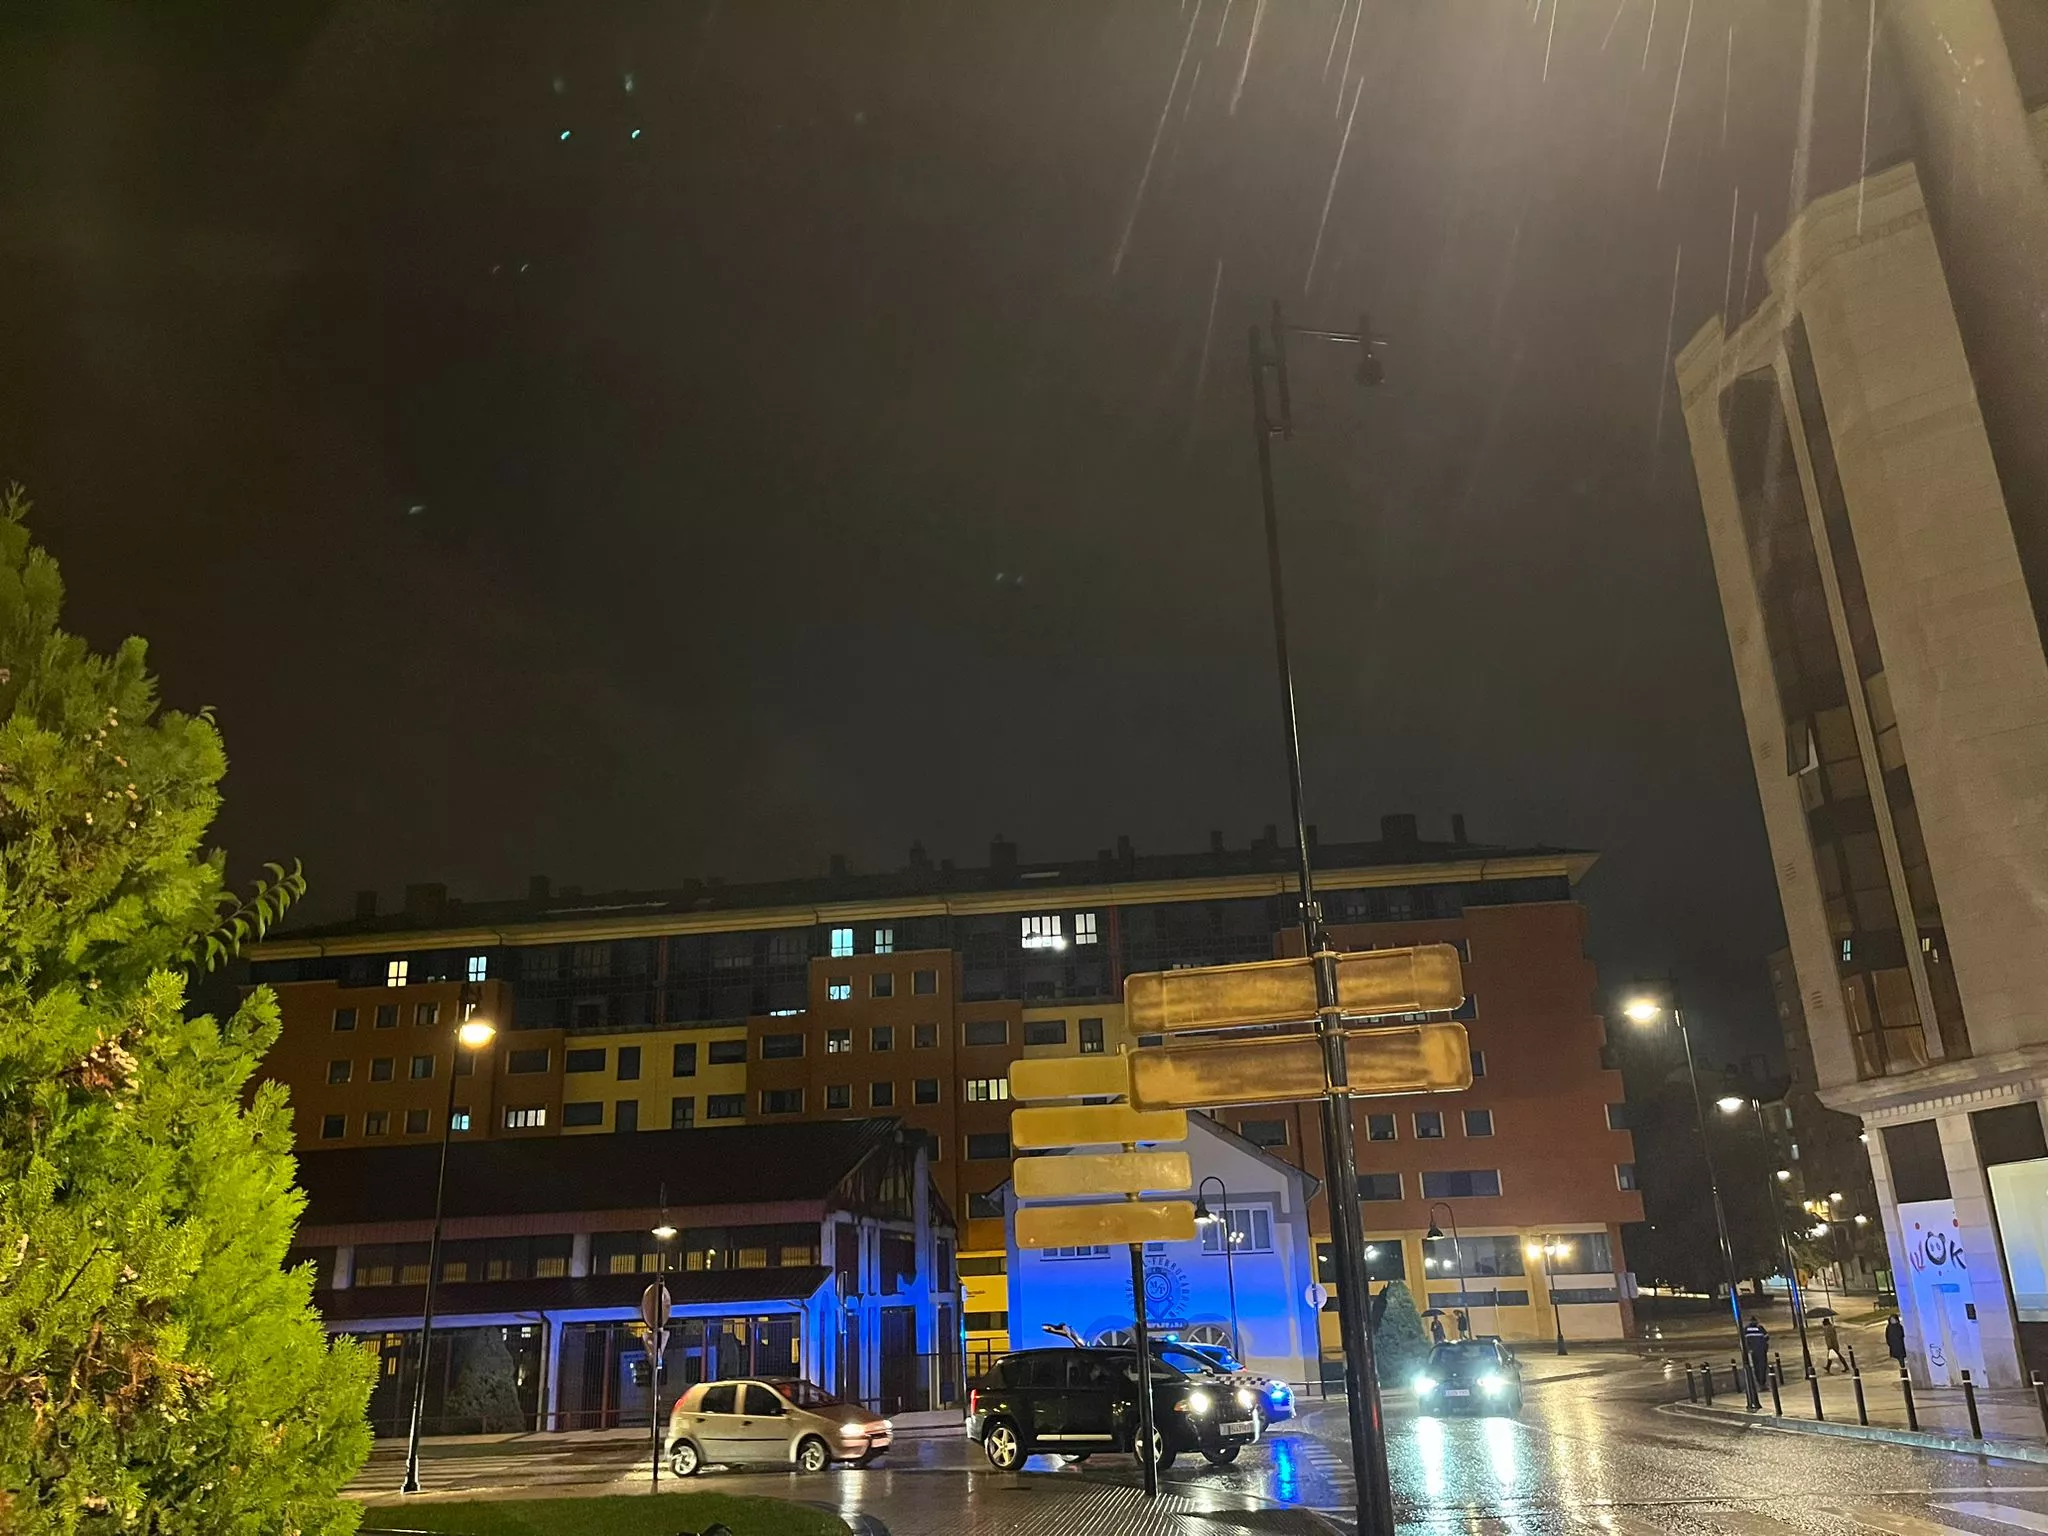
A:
x: 1834, y: 1345
x: 1756, y: 1344
x: 1436, y: 1330
x: 1895, y: 1339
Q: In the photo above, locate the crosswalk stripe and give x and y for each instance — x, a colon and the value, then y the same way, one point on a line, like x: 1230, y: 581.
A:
x: 2001, y: 1514
x: 1893, y: 1521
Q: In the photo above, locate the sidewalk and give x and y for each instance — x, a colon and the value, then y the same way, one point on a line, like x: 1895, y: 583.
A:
x: 2009, y: 1417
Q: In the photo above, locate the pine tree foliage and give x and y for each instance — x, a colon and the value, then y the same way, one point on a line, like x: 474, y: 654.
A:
x: 160, y: 1370
x: 1399, y: 1343
x: 486, y: 1393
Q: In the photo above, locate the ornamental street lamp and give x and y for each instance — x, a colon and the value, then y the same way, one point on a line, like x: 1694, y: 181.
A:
x: 1733, y: 1104
x: 1435, y: 1234
x: 1205, y: 1217
x: 1550, y: 1250
x: 472, y: 1035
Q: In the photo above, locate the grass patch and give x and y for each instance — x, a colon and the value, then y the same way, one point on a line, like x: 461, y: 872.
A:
x: 614, y: 1515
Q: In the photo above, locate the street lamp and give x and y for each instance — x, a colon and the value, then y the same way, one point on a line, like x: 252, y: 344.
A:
x: 1549, y: 1249
x: 1732, y: 1104
x: 1435, y: 1234
x: 1646, y: 1010
x: 472, y: 1035
x: 1206, y: 1217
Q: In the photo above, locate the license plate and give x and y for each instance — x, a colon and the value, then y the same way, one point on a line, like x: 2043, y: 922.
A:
x: 1238, y: 1427
x: 1457, y: 1392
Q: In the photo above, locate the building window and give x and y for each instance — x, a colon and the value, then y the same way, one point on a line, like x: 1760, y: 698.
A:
x: 535, y: 1060
x: 395, y: 972
x: 727, y: 1053
x: 782, y: 1101
x: 882, y: 984
x: 1478, y: 1063
x: 1625, y: 1176
x: 527, y: 1118
x: 1617, y: 1117
x: 382, y: 1069
x: 415, y: 1122
x: 925, y: 1090
x: 885, y: 941
x: 1084, y: 928
x: 839, y: 1095
x: 985, y: 1032
x: 377, y: 1123
x: 344, y: 1020
x: 629, y: 1063
x: 882, y: 1038
x: 338, y: 1071
x: 1263, y: 1133
x: 925, y: 1037
x: 1478, y: 1122
x: 1429, y: 1125
x: 479, y: 968
x: 1379, y: 1186
x: 332, y: 1127
x: 1091, y: 1037
x: 838, y: 1042
x: 426, y: 1015
x: 986, y: 1090
x: 423, y: 1068
x: 458, y: 1121
x: 881, y: 1095
x: 781, y: 1047
x: 591, y: 1060
x: 387, y: 1016
x: 683, y: 1060
x: 585, y: 1112
x: 924, y: 983
x: 1460, y: 1183
x: 682, y: 1114
x: 1093, y: 1251
x: 626, y: 1115
x: 1380, y: 1128
x: 725, y: 1106
x: 842, y: 943
x: 587, y: 960
x: 1251, y: 1231
x: 985, y: 1322
x: 980, y: 1207
x: 839, y: 989
x: 1044, y: 932
x: 988, y: 1146
x: 1583, y: 1296
x: 1045, y: 1031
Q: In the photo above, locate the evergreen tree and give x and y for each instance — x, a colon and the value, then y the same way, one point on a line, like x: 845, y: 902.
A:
x: 486, y: 1392
x: 1399, y: 1343
x: 160, y: 1370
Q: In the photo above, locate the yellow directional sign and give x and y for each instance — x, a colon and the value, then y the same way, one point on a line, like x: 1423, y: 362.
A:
x: 1117, y: 1173
x: 1426, y: 978
x: 1070, y: 1077
x: 1116, y: 1221
x: 1092, y: 1125
x: 1274, y: 1069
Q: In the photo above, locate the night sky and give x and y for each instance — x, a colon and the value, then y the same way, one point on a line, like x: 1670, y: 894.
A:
x: 856, y: 456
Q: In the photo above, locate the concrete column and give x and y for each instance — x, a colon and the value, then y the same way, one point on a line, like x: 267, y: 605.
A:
x: 1895, y: 1250
x: 344, y: 1267
x: 1989, y: 1290
x: 1987, y: 203
x: 551, y: 1374
x: 579, y: 1256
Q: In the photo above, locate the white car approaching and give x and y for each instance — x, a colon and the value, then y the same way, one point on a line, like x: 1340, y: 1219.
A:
x: 770, y: 1423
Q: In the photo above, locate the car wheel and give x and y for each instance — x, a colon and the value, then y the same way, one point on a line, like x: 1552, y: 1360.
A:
x: 1222, y: 1456
x: 1074, y: 1458
x: 1000, y: 1443
x: 866, y: 1461
x: 812, y: 1454
x: 683, y: 1459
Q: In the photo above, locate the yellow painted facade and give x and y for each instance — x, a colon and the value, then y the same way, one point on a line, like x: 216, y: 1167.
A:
x: 591, y: 1067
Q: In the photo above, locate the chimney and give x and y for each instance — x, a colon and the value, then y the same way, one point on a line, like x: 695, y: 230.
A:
x: 1458, y: 828
x: 1002, y: 857
x: 1398, y: 831
x: 366, y: 903
x: 1215, y: 841
x: 1269, y: 840
x: 920, y: 861
x: 1126, y: 855
x: 838, y: 866
x: 426, y: 901
x: 537, y: 888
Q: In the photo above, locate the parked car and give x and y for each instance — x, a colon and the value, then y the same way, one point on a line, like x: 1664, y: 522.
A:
x: 772, y: 1423
x: 1076, y: 1402
x: 1273, y: 1398
x: 1471, y: 1376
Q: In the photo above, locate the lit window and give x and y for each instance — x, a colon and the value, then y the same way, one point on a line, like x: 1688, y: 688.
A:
x: 459, y: 1121
x: 1091, y: 1037
x: 987, y: 1090
x: 395, y: 971
x: 838, y: 1041
x: 479, y: 967
x: 839, y: 988
x: 1848, y: 950
x: 1084, y: 928
x: 522, y: 1119
x: 1251, y: 1231
x: 885, y: 941
x: 1044, y: 932
x: 842, y: 943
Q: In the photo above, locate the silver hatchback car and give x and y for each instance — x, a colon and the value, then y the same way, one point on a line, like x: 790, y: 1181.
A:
x: 770, y: 1423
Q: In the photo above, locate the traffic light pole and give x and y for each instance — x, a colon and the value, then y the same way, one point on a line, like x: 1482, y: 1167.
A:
x: 1347, y: 1237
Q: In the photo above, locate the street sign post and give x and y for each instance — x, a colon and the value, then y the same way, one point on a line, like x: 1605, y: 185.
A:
x: 1093, y: 1125
x: 1080, y: 1174
x: 1373, y: 983
x: 654, y: 1313
x: 1279, y: 1069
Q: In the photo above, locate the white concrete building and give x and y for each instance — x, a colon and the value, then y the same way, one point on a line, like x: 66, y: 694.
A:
x: 1895, y: 692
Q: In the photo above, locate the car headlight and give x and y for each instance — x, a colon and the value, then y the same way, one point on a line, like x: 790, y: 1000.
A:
x: 1244, y: 1398
x: 1200, y: 1401
x: 853, y: 1431
x: 1424, y: 1385
x: 1492, y: 1384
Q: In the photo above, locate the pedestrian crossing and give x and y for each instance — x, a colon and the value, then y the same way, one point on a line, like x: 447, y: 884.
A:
x: 497, y: 1470
x: 1988, y: 1517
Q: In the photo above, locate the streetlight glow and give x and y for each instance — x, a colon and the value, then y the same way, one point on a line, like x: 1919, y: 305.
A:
x: 664, y: 1233
x: 1729, y: 1103
x: 1642, y: 1010
x: 1784, y: 1175
x: 475, y: 1034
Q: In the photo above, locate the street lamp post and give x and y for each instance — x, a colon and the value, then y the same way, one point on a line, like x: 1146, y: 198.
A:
x: 1551, y: 1248
x: 1435, y: 1234
x: 1732, y: 1105
x: 1204, y: 1217
x: 471, y: 1035
x: 664, y: 1233
x: 1645, y: 1011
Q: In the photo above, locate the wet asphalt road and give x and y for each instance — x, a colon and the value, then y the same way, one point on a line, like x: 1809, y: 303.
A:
x: 1590, y: 1453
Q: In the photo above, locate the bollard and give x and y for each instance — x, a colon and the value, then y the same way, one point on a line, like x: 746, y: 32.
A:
x: 1707, y: 1380
x: 1777, y: 1402
x: 1906, y: 1387
x: 1813, y: 1381
x: 1692, y: 1389
x: 1852, y: 1359
x: 1778, y: 1366
x: 1856, y: 1380
x: 1970, y: 1402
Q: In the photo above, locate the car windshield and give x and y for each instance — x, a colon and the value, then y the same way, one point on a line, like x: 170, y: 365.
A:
x: 1184, y: 1359
x: 805, y: 1394
x: 1161, y: 1371
x: 1470, y: 1355
x: 1218, y: 1356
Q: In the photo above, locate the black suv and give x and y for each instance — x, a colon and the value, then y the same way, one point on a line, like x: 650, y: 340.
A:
x: 1075, y: 1402
x: 1471, y: 1376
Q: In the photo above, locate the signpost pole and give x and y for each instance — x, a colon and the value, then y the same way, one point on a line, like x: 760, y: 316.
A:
x: 654, y: 1311
x: 1141, y: 1335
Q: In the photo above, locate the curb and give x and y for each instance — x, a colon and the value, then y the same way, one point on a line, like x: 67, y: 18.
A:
x: 1996, y: 1450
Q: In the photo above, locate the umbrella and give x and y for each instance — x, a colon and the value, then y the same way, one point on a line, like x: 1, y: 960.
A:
x: 1436, y: 1312
x: 1821, y: 1312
